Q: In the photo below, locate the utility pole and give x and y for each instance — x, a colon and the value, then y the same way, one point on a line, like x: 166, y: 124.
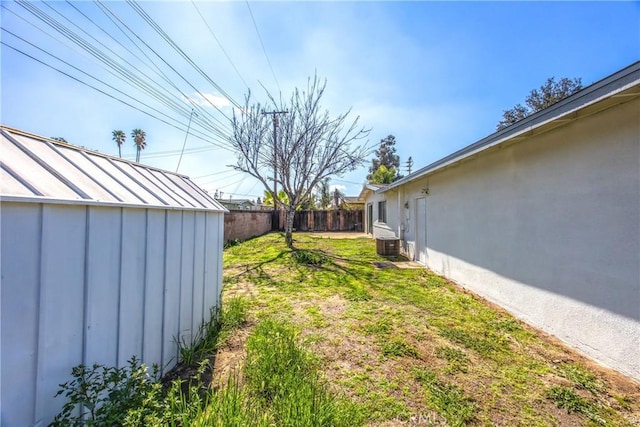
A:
x: 274, y: 115
x: 409, y: 165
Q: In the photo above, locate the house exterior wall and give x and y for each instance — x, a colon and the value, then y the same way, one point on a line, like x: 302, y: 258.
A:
x: 91, y: 284
x: 549, y: 229
x: 388, y: 228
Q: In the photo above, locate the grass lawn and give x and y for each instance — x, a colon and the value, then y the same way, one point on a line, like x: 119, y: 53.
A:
x: 407, y: 347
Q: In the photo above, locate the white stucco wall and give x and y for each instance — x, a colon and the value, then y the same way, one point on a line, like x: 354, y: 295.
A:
x: 383, y: 229
x: 90, y: 284
x: 548, y: 228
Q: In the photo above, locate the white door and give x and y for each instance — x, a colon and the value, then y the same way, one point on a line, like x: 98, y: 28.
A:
x: 421, y: 230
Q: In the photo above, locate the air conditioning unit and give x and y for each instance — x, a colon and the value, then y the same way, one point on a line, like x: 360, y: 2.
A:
x: 388, y: 246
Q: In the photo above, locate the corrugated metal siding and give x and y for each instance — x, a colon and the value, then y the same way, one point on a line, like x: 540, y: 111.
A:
x: 102, y: 259
x: 36, y: 168
x: 93, y: 284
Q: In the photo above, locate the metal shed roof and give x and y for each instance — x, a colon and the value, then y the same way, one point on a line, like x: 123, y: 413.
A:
x: 38, y: 169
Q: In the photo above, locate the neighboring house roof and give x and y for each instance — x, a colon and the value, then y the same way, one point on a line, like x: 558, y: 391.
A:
x: 608, y: 92
x: 352, y: 199
x: 39, y: 169
x: 237, y: 201
x: 370, y: 188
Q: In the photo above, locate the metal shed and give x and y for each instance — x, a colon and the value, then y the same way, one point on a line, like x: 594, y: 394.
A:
x: 101, y: 259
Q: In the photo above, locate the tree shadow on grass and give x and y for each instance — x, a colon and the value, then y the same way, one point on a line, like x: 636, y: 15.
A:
x: 258, y: 267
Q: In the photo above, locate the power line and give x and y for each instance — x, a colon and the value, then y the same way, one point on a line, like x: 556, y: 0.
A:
x: 122, y: 73
x: 184, y: 144
x: 163, y: 60
x: 263, y: 48
x: 214, y: 173
x: 219, y: 44
x: 177, y: 48
x: 158, y: 71
x: 105, y: 93
x: 135, y: 80
x: 83, y: 72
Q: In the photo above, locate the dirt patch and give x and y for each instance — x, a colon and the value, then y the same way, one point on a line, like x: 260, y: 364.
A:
x: 229, y: 359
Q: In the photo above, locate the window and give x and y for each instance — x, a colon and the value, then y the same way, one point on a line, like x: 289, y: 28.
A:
x: 382, y: 211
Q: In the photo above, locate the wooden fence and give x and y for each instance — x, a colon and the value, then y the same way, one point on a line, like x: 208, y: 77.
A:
x: 331, y: 220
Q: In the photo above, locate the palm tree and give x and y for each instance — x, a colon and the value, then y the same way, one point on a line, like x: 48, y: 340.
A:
x: 119, y: 137
x: 139, y: 139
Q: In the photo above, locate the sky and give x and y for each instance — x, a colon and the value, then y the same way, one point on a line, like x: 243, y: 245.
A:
x: 436, y: 75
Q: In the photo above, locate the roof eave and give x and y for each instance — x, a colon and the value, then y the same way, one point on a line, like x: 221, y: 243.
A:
x: 606, y: 88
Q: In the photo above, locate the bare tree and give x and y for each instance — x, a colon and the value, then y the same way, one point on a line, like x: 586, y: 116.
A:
x: 310, y: 145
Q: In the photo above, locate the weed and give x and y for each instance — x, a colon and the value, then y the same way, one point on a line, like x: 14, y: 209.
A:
x: 483, y: 346
x: 397, y: 347
x: 213, y: 333
x: 582, y: 378
x: 307, y: 257
x: 232, y: 316
x: 316, y: 316
x: 448, y: 399
x: 567, y: 398
x: 231, y: 243
x: 102, y: 395
x: 623, y: 401
x: 358, y: 294
x: 379, y: 327
x: 457, y: 359
x: 130, y: 396
x: 284, y: 377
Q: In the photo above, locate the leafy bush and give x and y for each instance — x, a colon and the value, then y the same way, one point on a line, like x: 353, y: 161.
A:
x: 102, y: 395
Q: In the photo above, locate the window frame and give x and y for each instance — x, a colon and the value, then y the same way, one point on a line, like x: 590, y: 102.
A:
x: 382, y: 211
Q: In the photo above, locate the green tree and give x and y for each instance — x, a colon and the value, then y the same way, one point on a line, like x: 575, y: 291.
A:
x: 386, y: 156
x: 383, y: 175
x: 119, y: 137
x: 268, y: 198
x: 140, y: 141
x: 324, y: 193
x: 539, y: 99
x: 310, y: 146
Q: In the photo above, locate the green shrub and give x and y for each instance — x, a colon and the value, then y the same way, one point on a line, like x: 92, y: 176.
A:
x: 101, y: 395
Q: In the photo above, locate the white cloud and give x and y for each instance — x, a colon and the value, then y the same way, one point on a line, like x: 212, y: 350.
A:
x: 340, y: 187
x: 208, y: 100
